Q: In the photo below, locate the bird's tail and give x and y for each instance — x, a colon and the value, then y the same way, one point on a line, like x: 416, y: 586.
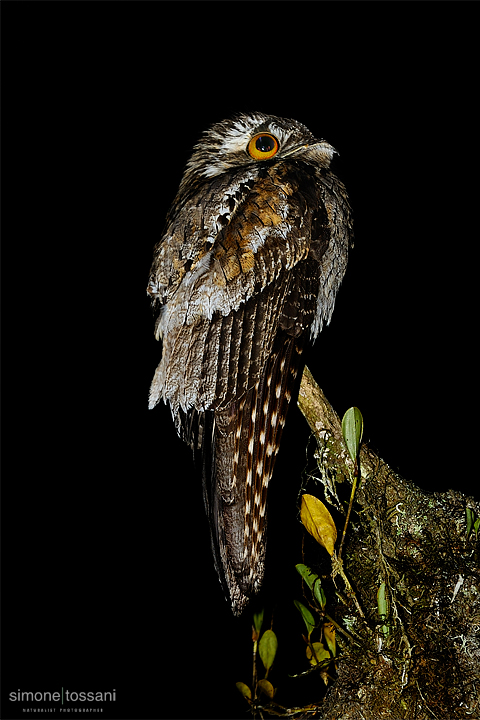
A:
x: 239, y: 447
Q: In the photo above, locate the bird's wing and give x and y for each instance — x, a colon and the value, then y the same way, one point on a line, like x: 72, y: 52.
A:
x: 218, y: 328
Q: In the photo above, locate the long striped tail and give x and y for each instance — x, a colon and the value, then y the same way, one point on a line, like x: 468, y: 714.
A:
x: 240, y: 445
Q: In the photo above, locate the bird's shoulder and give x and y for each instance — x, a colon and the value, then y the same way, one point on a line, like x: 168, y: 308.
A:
x: 254, y: 219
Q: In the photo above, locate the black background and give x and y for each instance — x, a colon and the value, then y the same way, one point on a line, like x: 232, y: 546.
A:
x: 108, y: 580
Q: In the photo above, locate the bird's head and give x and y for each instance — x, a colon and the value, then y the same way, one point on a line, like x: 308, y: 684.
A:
x: 250, y: 139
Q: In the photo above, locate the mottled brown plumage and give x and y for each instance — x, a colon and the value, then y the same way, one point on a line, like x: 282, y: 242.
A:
x: 246, y: 273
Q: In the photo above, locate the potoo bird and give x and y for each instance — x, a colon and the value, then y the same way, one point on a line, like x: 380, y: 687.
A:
x: 245, y: 275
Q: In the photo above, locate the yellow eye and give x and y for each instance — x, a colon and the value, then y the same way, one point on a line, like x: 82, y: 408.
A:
x: 263, y: 146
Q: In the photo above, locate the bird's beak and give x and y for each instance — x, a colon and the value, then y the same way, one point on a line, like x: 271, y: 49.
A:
x: 320, y: 151
x: 295, y: 150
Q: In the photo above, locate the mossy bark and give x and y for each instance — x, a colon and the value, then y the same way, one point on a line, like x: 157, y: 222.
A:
x: 422, y: 659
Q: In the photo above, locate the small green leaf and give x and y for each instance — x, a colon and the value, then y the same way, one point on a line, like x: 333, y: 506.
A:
x: 257, y: 624
x: 329, y: 634
x: 320, y: 655
x: 383, y: 606
x: 382, y: 601
x: 314, y: 583
x: 352, y: 430
x: 258, y: 620
x: 470, y: 520
x: 267, y: 648
x: 306, y: 615
x: 319, y: 595
x: 245, y: 690
x: 266, y: 687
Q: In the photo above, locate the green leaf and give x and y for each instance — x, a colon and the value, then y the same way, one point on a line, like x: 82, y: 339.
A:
x: 245, y: 690
x: 329, y: 634
x: 383, y: 606
x: 382, y: 601
x: 266, y: 687
x: 318, y: 522
x: 320, y: 655
x: 314, y: 583
x: 352, y: 430
x: 470, y: 520
x: 257, y: 624
x: 306, y: 615
x: 267, y: 648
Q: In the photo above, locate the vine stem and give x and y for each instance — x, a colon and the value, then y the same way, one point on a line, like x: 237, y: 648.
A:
x: 352, y: 495
x: 254, y: 679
